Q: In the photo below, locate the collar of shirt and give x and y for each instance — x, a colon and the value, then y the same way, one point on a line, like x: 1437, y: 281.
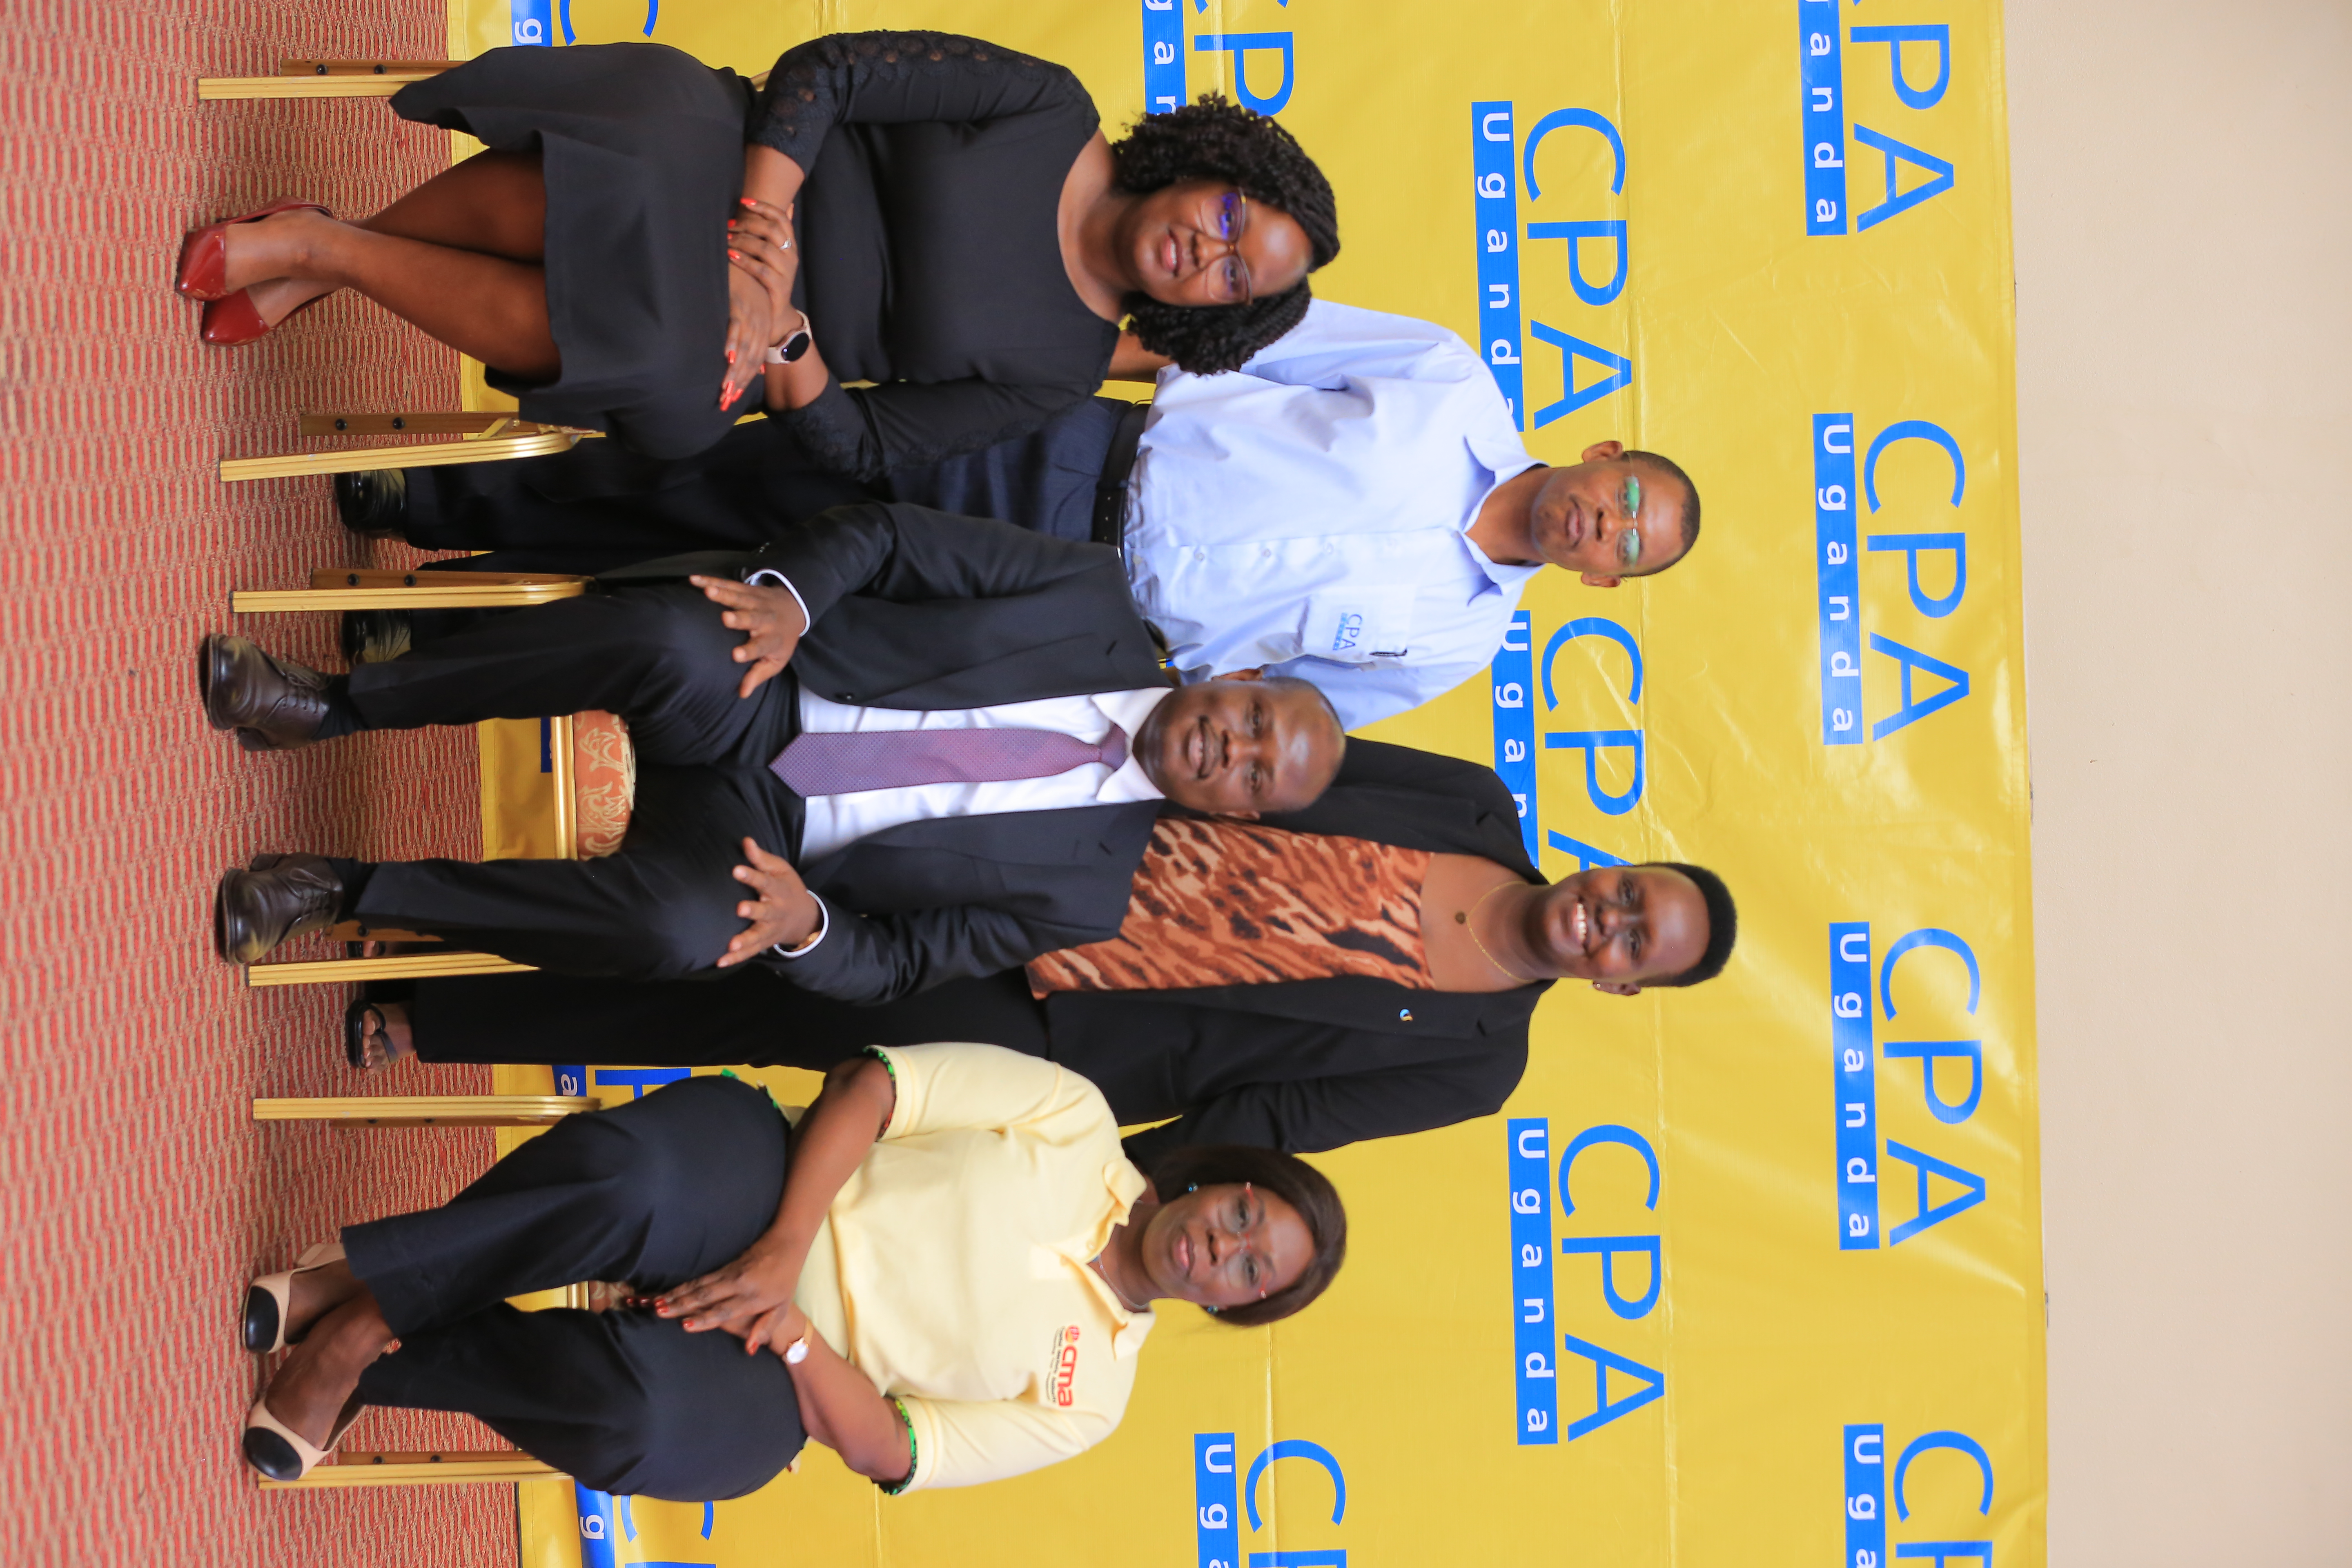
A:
x: 1125, y: 1184
x: 1510, y: 576
x: 1130, y: 711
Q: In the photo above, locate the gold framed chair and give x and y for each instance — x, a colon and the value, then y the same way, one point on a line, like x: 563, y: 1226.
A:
x: 323, y: 79
x: 364, y: 1467
x: 558, y: 788
x: 486, y: 437
x: 335, y: 79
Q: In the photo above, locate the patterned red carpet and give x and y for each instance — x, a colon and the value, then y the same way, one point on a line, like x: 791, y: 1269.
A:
x: 139, y: 1195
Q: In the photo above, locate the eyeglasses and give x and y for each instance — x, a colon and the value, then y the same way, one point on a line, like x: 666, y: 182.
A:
x: 1629, y: 543
x: 1228, y: 221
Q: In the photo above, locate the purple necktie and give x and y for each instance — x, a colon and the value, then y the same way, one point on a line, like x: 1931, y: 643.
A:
x: 843, y: 763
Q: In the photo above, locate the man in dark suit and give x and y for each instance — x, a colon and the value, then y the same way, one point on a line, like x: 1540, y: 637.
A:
x: 1303, y: 1065
x: 958, y: 732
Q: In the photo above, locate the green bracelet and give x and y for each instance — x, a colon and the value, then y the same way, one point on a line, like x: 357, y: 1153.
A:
x: 892, y: 1489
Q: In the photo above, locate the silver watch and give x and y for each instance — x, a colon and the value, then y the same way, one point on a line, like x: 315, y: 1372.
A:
x: 795, y: 346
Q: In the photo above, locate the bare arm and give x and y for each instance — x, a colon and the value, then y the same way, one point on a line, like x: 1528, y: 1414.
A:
x: 840, y: 1409
x: 751, y: 1296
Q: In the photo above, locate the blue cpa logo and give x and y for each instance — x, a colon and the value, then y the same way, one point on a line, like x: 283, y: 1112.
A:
x: 531, y: 22
x: 1218, y: 1502
x: 1867, y: 1484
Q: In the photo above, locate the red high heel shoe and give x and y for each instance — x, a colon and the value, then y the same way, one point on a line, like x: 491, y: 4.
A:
x: 202, y: 271
x: 229, y: 322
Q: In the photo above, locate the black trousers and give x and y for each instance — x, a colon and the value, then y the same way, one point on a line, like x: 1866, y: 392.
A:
x: 746, y: 1015
x: 599, y: 505
x: 664, y: 906
x: 655, y: 1192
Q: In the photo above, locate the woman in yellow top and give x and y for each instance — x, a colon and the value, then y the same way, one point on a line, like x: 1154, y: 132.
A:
x: 955, y: 1271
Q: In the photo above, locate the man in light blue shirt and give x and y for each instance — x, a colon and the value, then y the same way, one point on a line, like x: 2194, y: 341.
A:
x: 1353, y: 507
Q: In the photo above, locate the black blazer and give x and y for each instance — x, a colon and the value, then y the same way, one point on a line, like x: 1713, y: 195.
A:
x: 1309, y: 1065
x: 916, y: 609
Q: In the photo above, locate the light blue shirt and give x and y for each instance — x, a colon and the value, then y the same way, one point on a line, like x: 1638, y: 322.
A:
x: 1309, y: 513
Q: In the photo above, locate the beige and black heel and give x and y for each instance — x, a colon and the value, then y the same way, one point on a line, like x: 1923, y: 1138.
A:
x: 279, y: 1452
x: 270, y: 1301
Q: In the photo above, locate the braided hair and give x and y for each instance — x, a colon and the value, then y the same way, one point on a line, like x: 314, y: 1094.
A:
x: 1211, y: 139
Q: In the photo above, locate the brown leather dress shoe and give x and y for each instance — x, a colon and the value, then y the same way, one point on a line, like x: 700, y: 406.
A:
x: 276, y: 898
x: 273, y: 705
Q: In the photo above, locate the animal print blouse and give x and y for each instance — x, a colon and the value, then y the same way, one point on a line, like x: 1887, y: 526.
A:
x: 1233, y: 904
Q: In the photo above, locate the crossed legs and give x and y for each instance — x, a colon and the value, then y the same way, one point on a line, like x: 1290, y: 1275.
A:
x: 656, y: 1192
x: 460, y: 256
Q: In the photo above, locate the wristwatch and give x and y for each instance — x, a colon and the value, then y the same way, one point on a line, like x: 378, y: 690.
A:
x: 795, y: 346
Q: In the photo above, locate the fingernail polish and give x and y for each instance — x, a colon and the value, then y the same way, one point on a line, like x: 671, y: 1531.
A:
x: 734, y: 255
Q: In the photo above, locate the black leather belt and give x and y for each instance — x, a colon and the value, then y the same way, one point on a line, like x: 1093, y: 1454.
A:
x: 1110, y: 490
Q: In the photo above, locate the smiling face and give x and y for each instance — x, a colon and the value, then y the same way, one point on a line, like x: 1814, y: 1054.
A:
x: 1202, y: 242
x: 1239, y: 746
x: 1225, y: 1246
x: 1608, y: 517
x: 1619, y: 926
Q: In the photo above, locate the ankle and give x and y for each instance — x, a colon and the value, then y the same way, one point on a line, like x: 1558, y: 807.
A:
x: 354, y: 875
x: 351, y: 1336
x: 342, y: 716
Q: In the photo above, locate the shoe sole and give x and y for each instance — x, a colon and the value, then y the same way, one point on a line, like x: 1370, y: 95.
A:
x: 211, y: 668
x: 220, y: 920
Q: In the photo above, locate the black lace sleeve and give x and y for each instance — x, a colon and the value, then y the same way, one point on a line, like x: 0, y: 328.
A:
x: 866, y: 431
x: 883, y: 78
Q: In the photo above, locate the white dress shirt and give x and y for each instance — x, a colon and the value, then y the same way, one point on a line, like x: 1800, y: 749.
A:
x: 1309, y: 513
x: 830, y: 821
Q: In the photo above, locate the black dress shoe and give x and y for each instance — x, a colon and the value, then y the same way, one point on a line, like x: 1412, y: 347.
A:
x: 372, y: 502
x: 273, y: 706
x: 373, y: 636
x: 274, y: 899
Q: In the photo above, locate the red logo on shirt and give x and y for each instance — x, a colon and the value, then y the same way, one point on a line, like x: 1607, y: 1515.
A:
x: 1066, y: 1366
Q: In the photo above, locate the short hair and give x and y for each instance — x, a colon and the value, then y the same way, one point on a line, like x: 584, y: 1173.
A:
x: 1330, y: 712
x: 1211, y: 139
x: 1722, y: 922
x: 1288, y: 1177
x: 1674, y: 471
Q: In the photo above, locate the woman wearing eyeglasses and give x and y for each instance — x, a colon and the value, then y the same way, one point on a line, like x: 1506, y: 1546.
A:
x: 950, y: 1261
x: 647, y: 238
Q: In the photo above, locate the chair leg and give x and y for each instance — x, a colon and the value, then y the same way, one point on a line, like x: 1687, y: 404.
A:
x: 426, y: 454
x: 410, y: 1470
x: 392, y: 966
x: 427, y: 1110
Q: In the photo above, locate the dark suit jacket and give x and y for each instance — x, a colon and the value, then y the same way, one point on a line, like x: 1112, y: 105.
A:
x: 915, y: 609
x: 1313, y: 1064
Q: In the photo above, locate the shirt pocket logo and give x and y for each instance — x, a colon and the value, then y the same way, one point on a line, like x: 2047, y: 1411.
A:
x: 1357, y: 625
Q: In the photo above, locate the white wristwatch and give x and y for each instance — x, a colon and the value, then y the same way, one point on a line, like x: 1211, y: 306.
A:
x: 794, y: 347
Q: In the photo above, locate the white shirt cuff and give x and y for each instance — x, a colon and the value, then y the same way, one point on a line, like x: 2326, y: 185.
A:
x: 768, y: 577
x: 824, y: 916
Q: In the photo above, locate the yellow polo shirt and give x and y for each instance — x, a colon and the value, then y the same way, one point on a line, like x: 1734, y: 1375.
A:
x: 952, y: 1270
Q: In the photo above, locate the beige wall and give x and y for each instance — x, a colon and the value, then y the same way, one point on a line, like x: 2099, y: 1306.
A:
x: 2183, y: 179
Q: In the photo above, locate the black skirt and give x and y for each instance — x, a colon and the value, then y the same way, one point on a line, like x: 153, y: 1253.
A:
x: 642, y: 147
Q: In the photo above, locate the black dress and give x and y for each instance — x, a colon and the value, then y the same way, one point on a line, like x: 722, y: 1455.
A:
x: 928, y: 228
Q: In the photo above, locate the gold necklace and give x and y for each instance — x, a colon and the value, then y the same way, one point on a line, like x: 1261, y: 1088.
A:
x: 1469, y: 920
x: 1095, y: 1263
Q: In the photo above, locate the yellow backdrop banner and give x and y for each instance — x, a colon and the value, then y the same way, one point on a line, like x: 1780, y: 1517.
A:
x: 1749, y: 1273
